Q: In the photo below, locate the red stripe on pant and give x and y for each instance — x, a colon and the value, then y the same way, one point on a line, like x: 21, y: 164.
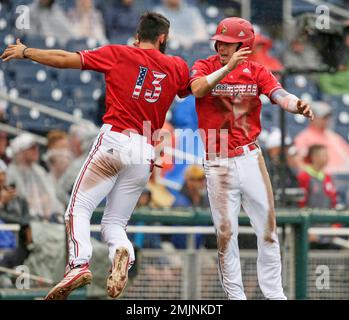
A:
x: 71, y: 219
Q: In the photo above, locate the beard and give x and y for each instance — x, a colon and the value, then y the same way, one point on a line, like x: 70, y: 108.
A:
x: 163, y: 46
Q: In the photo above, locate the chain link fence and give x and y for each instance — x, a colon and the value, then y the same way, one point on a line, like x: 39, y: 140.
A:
x: 168, y: 273
x: 185, y: 275
x: 328, y: 274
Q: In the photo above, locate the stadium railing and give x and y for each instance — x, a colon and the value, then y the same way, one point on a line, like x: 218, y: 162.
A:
x: 191, y: 273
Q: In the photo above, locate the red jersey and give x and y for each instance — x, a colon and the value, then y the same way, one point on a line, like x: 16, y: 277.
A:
x: 140, y: 85
x: 234, y: 103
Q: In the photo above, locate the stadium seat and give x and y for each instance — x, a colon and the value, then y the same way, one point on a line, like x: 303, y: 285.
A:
x: 201, y: 50
x: 295, y: 123
x: 6, y: 37
x: 9, y: 75
x: 343, y: 131
x: 63, y: 104
x: 120, y: 38
x: 342, y: 118
x: 32, y: 74
x: 118, y: 22
x: 66, y: 4
x: 34, y: 121
x: 5, y: 24
x: 174, y: 48
x: 81, y: 44
x: 75, y: 78
x: 278, y: 48
x: 301, y: 85
x: 270, y: 114
x: 35, y: 90
x: 87, y: 110
x: 35, y: 41
x: 211, y: 13
x: 267, y: 117
x: 300, y: 6
x: 5, y: 11
x: 338, y: 103
x: 16, y: 3
x: 80, y: 94
x: 340, y: 107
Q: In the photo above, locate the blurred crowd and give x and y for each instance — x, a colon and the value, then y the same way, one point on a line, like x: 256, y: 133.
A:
x: 36, y: 179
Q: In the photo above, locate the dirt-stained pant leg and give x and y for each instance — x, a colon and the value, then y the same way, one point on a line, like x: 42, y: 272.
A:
x: 89, y: 190
x: 122, y: 199
x: 121, y: 202
x: 258, y: 203
x: 225, y: 202
x: 109, y: 158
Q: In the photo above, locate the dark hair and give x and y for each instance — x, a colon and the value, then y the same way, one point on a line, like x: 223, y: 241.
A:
x: 312, y: 150
x: 151, y: 25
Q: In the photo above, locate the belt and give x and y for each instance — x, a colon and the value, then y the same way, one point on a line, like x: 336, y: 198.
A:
x: 237, y: 151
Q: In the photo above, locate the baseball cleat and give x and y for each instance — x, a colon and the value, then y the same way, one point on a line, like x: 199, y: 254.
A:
x: 73, y: 279
x: 117, y: 280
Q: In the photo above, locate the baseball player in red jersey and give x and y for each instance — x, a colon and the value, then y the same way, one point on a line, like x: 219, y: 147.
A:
x: 141, y: 82
x: 227, y: 89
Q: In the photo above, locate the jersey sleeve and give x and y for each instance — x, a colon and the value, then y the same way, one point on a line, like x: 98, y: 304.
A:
x: 267, y: 83
x: 183, y: 90
x: 198, y: 70
x: 101, y: 59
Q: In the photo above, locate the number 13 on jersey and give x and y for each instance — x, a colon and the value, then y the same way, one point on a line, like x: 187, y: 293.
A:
x: 150, y: 96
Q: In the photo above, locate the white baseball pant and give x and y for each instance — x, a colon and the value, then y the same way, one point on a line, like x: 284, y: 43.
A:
x: 232, y: 183
x: 118, y: 168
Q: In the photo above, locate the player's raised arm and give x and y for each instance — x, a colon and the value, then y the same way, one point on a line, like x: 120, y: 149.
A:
x: 291, y: 103
x: 54, y: 58
x: 202, y: 86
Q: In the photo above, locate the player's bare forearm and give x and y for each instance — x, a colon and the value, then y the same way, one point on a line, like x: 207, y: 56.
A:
x: 204, y: 85
x: 53, y: 58
x: 200, y: 87
x: 291, y: 103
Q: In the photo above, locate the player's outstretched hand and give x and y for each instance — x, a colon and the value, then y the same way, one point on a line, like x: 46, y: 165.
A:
x: 305, y: 109
x: 238, y: 57
x: 13, y: 51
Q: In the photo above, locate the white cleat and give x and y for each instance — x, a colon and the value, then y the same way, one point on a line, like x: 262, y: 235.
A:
x: 73, y: 279
x: 117, y: 280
